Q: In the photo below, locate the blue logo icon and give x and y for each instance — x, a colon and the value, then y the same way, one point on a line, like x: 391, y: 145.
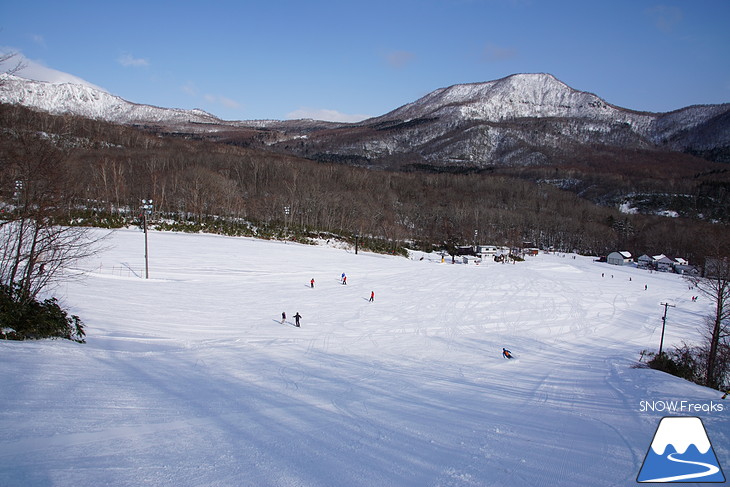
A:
x: 680, y: 452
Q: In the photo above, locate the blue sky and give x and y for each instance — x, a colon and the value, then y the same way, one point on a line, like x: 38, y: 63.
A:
x: 344, y: 60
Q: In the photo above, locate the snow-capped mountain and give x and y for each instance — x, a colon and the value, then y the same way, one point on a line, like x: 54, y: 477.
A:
x: 530, y: 96
x: 519, y: 120
x: 86, y: 101
x: 513, y: 97
x: 522, y: 119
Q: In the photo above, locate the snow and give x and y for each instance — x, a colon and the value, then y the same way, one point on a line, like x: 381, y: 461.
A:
x: 189, y: 378
x: 88, y: 101
x: 526, y: 95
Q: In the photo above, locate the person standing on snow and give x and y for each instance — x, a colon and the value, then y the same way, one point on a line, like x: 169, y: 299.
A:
x: 296, y: 318
x: 372, y: 296
x: 343, y: 278
x: 283, y: 317
x: 506, y: 353
x: 311, y: 283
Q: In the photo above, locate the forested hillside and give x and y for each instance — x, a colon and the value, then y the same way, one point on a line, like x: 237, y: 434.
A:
x: 104, y: 171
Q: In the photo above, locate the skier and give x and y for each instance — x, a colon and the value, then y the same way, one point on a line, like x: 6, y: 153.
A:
x: 726, y: 394
x: 283, y: 317
x: 344, y: 280
x: 506, y: 353
x: 311, y: 283
x: 296, y: 318
x: 372, y: 296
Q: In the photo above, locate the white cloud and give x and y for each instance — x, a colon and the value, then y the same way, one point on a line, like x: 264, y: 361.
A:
x: 221, y: 100
x: 38, y: 39
x: 129, y: 61
x: 189, y: 89
x: 493, y: 52
x: 37, y: 71
x: 665, y: 17
x: 228, y: 103
x: 325, y: 114
x: 399, y: 59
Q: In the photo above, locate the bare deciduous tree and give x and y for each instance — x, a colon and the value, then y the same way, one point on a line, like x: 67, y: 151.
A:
x: 8, y: 66
x: 715, y: 285
x: 35, y: 248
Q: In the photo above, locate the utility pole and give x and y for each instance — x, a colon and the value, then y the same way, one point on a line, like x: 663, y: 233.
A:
x: 664, y: 323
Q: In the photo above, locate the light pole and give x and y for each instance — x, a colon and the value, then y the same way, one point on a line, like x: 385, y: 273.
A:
x: 18, y: 192
x: 287, y: 210
x: 146, y: 210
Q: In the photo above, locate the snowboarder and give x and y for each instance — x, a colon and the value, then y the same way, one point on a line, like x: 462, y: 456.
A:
x: 311, y: 283
x: 372, y: 296
x: 296, y: 318
x: 506, y: 353
x: 283, y: 317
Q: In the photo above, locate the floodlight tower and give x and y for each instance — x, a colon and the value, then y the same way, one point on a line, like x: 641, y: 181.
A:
x: 287, y: 211
x: 18, y: 193
x: 146, y: 210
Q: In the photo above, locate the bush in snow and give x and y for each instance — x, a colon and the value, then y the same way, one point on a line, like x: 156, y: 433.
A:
x: 23, y: 319
x: 682, y: 362
x: 691, y: 363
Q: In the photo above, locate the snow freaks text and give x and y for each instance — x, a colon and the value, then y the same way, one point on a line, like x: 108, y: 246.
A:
x: 680, y: 407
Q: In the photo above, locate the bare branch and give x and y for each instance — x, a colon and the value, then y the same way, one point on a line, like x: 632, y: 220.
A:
x: 18, y: 66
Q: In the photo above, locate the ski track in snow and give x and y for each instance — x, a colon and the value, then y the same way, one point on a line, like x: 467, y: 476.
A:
x: 189, y: 378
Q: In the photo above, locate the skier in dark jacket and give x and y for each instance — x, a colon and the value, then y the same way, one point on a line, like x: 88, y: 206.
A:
x: 296, y: 318
x: 506, y: 353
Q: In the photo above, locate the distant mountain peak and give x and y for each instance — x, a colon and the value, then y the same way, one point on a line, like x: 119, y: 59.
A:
x: 515, y: 96
x: 90, y: 102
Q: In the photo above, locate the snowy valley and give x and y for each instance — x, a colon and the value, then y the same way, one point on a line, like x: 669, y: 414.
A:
x: 189, y: 378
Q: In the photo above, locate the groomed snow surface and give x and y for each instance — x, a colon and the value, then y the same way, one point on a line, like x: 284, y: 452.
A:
x: 190, y: 379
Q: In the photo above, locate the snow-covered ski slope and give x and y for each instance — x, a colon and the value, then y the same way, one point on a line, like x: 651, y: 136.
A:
x: 190, y: 379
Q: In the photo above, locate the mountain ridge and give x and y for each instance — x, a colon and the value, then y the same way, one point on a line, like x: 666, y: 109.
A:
x: 85, y: 101
x: 504, y: 97
x: 524, y: 119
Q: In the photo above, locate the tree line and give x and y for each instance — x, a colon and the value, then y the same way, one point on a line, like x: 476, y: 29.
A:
x: 106, y: 170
